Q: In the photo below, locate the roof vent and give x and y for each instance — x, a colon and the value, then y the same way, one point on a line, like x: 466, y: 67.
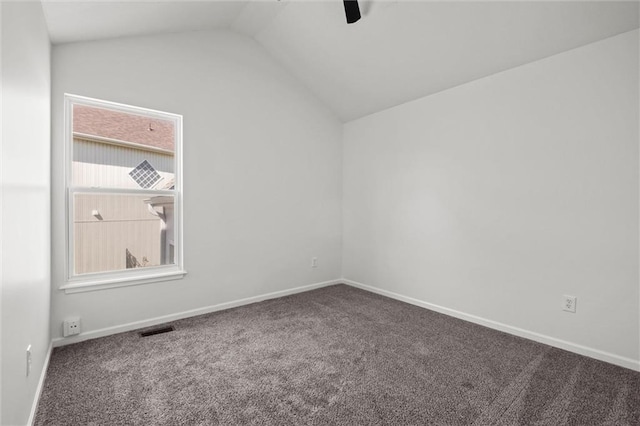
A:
x: 145, y: 175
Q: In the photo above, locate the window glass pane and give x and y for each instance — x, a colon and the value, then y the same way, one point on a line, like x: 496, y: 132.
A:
x: 115, y: 149
x: 122, y: 231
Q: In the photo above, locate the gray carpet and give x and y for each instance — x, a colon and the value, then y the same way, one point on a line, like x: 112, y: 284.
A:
x: 336, y: 355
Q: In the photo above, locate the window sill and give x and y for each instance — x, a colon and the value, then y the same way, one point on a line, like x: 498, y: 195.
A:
x: 103, y: 283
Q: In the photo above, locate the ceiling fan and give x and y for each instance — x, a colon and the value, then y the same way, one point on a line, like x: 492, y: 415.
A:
x: 351, y: 10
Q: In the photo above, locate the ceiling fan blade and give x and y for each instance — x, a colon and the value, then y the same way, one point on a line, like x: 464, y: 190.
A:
x: 352, y: 10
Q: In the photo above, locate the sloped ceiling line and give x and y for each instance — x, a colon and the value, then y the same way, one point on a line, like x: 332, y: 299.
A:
x: 399, y: 51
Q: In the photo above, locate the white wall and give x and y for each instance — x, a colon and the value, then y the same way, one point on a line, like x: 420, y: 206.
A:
x: 262, y: 170
x: 25, y: 205
x: 497, y: 197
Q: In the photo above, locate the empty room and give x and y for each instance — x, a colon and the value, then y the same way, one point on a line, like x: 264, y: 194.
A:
x: 291, y: 212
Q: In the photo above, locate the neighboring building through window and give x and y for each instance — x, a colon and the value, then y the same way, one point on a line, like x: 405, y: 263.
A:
x: 124, y: 193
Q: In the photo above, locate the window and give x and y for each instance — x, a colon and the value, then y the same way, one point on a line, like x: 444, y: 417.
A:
x: 124, y: 194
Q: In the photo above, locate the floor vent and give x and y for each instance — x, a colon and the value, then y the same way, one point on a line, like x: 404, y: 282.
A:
x: 158, y: 330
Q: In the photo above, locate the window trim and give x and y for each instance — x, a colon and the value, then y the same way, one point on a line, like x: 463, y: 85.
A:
x: 113, y: 279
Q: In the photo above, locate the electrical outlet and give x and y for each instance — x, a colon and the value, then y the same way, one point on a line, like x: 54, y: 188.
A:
x: 569, y: 303
x: 28, y: 360
x: 71, y: 327
x: 314, y: 262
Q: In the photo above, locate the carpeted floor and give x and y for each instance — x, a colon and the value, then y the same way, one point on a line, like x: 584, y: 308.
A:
x: 337, y: 355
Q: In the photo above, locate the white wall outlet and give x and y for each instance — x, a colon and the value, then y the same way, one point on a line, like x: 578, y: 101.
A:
x: 569, y: 303
x: 28, y: 360
x: 71, y: 327
x: 314, y: 262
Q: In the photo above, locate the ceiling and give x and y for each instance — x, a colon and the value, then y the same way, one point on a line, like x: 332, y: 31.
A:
x: 85, y: 20
x: 398, y: 51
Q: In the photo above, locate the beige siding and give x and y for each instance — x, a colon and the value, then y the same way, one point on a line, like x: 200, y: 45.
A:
x: 125, y: 223
x: 104, y: 165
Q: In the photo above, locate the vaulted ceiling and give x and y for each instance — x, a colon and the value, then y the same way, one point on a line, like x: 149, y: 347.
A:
x: 398, y: 51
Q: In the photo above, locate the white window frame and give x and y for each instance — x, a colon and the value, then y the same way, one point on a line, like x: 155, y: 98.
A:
x: 127, y: 277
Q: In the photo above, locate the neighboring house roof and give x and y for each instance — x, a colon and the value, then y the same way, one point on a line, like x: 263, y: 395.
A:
x: 124, y: 127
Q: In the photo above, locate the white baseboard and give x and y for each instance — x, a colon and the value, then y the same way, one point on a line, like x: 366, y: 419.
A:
x: 541, y: 338
x: 93, y: 334
x: 551, y: 341
x: 43, y: 375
